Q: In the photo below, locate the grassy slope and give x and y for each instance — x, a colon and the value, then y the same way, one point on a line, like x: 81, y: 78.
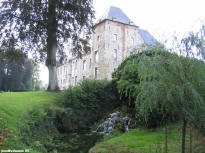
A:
x: 147, y: 141
x: 14, y: 105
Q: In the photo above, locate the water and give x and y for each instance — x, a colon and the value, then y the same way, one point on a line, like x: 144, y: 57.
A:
x: 108, y: 125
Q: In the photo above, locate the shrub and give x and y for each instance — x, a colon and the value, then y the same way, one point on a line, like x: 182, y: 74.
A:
x: 87, y: 103
x: 39, y: 131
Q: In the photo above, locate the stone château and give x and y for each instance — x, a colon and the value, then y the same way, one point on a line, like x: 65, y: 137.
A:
x: 113, y: 38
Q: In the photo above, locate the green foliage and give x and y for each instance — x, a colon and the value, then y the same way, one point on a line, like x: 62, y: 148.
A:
x: 13, y: 107
x: 66, y: 128
x: 42, y: 27
x: 128, y: 84
x: 194, y: 44
x: 87, y: 103
x: 39, y: 132
x: 17, y: 72
x: 38, y: 24
x: 162, y: 86
x: 175, y: 83
x: 141, y: 140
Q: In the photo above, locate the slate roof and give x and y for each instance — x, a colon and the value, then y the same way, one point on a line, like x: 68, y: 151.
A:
x: 115, y: 13
x: 147, y: 37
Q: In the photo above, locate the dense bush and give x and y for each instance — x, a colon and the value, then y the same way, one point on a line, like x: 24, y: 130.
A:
x: 86, y: 103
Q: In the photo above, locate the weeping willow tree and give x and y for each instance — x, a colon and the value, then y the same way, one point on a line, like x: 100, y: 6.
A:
x: 173, y: 85
x: 176, y: 82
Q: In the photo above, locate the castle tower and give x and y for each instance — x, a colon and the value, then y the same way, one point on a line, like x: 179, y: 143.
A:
x: 113, y: 38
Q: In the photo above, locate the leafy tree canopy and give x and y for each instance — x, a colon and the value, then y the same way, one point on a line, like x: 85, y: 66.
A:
x: 43, y: 26
x: 28, y: 22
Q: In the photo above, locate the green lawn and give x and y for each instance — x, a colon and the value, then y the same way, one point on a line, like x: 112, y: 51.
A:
x: 148, y: 141
x: 14, y: 105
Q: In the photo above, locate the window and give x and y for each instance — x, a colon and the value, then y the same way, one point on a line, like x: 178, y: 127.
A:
x: 115, y: 37
x: 96, y: 57
x: 76, y: 62
x: 90, y: 63
x: 115, y: 54
x: 75, y: 80
x: 96, y: 73
x: 132, y: 41
x: 98, y: 38
x: 83, y: 77
x: 84, y: 65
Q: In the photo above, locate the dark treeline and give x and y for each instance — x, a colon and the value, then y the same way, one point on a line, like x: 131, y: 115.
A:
x: 17, y: 72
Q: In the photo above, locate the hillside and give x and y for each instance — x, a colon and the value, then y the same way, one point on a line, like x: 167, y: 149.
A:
x: 143, y: 140
x: 13, y: 106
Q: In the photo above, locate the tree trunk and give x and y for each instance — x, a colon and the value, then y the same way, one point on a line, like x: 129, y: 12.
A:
x: 52, y: 78
x: 190, y: 140
x: 52, y: 45
x: 166, y: 146
x: 183, y: 135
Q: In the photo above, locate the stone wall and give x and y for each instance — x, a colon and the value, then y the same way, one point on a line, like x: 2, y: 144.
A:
x: 112, y: 42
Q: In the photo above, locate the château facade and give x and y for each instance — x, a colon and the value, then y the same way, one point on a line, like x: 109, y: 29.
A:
x: 113, y: 39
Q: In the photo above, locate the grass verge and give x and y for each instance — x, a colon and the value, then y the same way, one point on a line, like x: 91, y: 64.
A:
x: 13, y: 106
x: 148, y: 141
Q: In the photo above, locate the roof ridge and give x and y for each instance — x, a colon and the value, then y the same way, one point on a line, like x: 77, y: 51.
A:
x: 115, y: 13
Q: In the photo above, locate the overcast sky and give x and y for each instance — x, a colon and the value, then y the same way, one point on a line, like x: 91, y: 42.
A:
x: 159, y: 17
x: 162, y: 18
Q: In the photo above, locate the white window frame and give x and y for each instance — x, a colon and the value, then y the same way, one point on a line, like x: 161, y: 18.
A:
x: 115, y: 37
